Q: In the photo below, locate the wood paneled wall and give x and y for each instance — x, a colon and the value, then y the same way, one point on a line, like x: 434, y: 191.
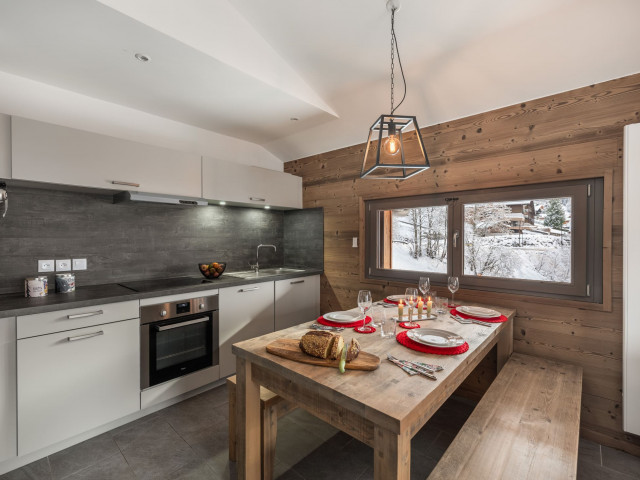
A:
x: 575, y: 134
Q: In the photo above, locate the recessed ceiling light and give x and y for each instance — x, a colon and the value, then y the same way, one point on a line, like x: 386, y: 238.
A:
x: 142, y: 57
x: 223, y: 203
x: 267, y: 207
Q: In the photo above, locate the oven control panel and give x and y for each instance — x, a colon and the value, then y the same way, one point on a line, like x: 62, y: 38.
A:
x: 169, y: 310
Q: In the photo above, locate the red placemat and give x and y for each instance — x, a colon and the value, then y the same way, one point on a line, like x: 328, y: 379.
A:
x: 370, y: 329
x: 407, y: 342
x: 323, y: 321
x: 499, y: 319
x: 408, y: 327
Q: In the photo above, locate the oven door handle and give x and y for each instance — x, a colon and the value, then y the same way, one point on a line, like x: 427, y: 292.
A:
x: 182, y: 324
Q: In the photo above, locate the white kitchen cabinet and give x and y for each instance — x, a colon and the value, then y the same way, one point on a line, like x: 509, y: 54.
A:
x: 297, y: 300
x: 246, y: 311
x: 73, y: 381
x: 44, y: 152
x: 8, y: 429
x: 247, y: 185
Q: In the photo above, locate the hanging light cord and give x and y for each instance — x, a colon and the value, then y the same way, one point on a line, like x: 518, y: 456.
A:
x: 396, y: 51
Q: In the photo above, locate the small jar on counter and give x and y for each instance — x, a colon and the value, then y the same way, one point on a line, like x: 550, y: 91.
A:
x: 36, y: 287
x: 65, y: 282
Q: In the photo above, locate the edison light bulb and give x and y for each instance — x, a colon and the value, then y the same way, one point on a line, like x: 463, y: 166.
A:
x: 392, y: 144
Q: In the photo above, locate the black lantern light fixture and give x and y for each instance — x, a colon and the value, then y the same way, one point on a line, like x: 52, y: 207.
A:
x: 395, y: 149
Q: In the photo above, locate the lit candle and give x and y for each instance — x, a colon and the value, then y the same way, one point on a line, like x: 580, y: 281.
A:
x: 429, y: 305
x: 400, y: 307
x: 420, y: 307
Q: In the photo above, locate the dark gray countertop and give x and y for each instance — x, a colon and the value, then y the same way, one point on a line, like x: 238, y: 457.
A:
x: 16, y: 304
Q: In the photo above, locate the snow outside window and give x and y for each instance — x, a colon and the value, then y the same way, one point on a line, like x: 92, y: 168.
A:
x: 528, y: 240
x: 418, y: 239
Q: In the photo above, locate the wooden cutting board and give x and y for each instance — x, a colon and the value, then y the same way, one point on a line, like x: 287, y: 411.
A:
x: 290, y: 348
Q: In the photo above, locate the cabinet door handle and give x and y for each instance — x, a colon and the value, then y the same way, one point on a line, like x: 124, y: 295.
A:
x: 126, y: 184
x: 249, y: 289
x: 84, y: 315
x: 87, y: 335
x: 257, y: 199
x: 297, y: 281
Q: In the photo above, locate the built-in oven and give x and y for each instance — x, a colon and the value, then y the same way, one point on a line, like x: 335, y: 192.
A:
x: 178, y: 338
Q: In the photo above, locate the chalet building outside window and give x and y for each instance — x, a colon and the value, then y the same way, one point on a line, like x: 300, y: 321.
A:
x: 543, y: 240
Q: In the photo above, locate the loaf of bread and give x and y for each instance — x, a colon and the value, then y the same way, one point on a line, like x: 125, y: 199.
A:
x: 353, y: 350
x: 317, y: 343
x: 323, y: 344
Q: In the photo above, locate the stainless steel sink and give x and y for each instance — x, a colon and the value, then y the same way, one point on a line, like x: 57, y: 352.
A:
x: 265, y: 272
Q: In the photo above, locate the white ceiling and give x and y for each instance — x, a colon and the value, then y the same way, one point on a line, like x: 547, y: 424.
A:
x: 243, y: 68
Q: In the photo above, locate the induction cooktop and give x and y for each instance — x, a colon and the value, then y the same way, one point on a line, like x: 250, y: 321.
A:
x: 144, y: 286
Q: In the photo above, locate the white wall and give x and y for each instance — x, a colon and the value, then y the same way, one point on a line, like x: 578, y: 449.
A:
x: 39, y: 101
x: 5, y: 146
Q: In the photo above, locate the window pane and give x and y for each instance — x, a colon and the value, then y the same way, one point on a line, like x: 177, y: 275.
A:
x: 416, y: 239
x: 522, y: 240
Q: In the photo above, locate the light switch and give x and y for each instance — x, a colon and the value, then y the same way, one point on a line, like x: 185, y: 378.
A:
x: 46, y: 265
x: 354, y: 242
x: 63, y: 265
x: 79, y: 263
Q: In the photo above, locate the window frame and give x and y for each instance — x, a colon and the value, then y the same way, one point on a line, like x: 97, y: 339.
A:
x: 373, y: 254
x: 586, y: 236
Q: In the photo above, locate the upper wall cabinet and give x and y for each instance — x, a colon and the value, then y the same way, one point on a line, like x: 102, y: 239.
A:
x: 44, y: 152
x: 246, y: 185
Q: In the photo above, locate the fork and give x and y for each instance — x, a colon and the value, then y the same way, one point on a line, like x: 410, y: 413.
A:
x: 467, y: 321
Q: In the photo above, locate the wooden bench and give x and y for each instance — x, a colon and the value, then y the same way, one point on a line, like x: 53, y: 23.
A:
x: 272, y: 407
x: 526, y: 426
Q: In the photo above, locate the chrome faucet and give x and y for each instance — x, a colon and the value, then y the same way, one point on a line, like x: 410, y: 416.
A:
x: 256, y: 267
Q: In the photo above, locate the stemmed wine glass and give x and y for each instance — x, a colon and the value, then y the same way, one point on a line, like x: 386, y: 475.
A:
x: 454, y: 284
x: 411, y: 296
x: 364, y: 302
x: 424, y: 285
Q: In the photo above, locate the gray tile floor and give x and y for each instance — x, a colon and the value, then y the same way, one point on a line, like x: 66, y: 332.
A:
x: 189, y: 441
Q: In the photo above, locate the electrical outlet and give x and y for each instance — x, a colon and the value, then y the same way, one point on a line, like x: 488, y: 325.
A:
x: 63, y: 265
x: 354, y: 242
x: 79, y: 263
x: 46, y: 265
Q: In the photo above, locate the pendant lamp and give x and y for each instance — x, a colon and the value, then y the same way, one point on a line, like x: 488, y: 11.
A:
x: 395, y: 150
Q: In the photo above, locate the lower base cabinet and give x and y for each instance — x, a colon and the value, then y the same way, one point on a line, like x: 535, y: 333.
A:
x: 246, y: 312
x: 76, y: 380
x: 297, y: 300
x: 8, y: 427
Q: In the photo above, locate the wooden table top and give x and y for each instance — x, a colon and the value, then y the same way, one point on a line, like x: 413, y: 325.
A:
x: 388, y: 396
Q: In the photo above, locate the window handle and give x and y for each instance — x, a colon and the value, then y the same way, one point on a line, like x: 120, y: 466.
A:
x: 456, y: 235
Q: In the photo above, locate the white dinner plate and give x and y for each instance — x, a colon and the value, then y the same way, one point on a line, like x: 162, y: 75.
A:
x: 478, y: 311
x: 342, y: 317
x: 435, y: 338
x: 395, y: 298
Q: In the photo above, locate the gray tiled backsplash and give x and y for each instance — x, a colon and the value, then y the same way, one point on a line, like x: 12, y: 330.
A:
x: 131, y: 241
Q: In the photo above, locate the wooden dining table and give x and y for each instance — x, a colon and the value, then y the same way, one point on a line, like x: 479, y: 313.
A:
x: 383, y: 408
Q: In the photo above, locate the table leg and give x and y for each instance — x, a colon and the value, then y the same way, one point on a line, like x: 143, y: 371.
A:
x: 392, y: 455
x: 247, y: 422
x: 269, y: 437
x: 505, y: 344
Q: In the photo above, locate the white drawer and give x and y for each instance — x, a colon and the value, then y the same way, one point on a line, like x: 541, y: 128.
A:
x: 62, y: 320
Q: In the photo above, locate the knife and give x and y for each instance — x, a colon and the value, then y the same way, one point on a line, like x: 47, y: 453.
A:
x: 317, y: 326
x: 425, y: 372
